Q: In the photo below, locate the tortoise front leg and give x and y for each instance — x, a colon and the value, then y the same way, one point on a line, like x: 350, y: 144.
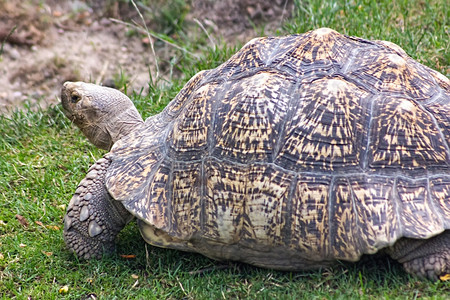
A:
x: 93, y: 218
x: 425, y: 258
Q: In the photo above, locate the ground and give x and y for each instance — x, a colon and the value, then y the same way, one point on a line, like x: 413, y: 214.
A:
x: 46, y: 43
x: 43, y: 157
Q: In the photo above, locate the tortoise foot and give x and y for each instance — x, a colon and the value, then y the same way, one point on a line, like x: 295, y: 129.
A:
x: 93, y: 219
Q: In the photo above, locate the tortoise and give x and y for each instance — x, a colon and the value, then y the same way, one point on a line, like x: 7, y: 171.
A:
x: 298, y: 152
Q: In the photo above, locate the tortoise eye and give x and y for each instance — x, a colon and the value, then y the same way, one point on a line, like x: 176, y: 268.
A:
x: 75, y: 98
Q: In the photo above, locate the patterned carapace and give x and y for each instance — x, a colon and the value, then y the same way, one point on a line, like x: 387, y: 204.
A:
x: 318, y: 146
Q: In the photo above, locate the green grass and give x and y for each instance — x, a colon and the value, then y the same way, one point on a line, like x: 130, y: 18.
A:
x: 43, y: 157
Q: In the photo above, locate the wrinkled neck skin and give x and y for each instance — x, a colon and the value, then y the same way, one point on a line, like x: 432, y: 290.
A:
x: 105, y: 133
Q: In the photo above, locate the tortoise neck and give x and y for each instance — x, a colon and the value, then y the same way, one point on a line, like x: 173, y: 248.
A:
x: 105, y: 133
x: 125, y: 123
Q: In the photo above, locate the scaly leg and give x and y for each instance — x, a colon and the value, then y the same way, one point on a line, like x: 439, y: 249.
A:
x: 93, y: 218
x: 424, y: 258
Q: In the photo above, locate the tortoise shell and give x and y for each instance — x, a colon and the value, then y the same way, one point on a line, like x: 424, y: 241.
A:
x: 319, y: 146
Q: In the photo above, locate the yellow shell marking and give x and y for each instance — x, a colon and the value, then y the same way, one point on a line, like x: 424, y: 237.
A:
x: 327, y: 129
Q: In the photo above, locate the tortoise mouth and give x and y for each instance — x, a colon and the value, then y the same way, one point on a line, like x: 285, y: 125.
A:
x: 65, y: 102
x: 70, y: 96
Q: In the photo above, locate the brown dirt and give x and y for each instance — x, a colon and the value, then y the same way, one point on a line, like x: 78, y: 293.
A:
x: 55, y: 41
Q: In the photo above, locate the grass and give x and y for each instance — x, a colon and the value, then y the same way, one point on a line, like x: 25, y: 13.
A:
x: 43, y: 157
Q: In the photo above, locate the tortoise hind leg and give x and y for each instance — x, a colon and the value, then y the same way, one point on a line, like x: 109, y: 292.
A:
x: 93, y: 218
x: 428, y: 258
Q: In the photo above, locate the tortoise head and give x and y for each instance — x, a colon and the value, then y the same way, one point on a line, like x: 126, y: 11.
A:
x: 103, y: 114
